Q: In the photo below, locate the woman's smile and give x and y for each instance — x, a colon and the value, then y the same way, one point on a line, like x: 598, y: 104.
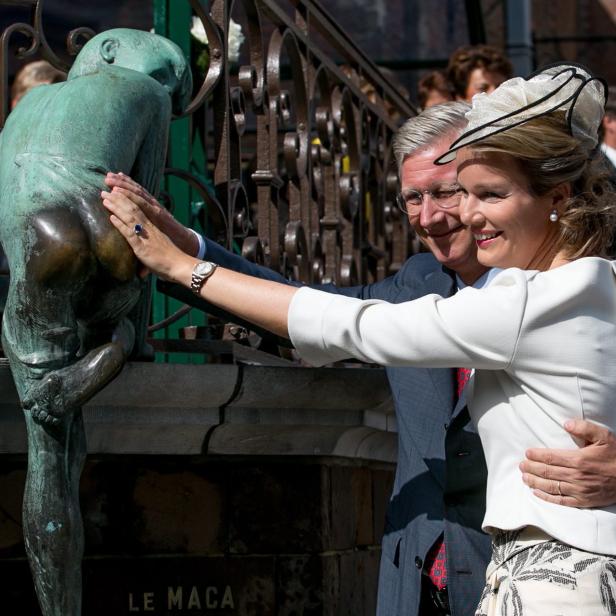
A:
x: 485, y: 238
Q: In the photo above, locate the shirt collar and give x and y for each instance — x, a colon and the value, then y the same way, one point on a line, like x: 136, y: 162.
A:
x: 481, y: 282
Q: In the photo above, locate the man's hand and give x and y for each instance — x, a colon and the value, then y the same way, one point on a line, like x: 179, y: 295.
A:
x: 584, y: 477
x: 184, y: 239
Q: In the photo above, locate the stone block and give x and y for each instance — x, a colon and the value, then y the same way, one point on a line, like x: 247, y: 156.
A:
x: 154, y: 507
x: 382, y: 485
x: 275, y: 508
x: 179, y: 512
x: 361, y: 485
x: 351, y: 507
x: 332, y: 584
x: 308, y: 585
x: 359, y: 579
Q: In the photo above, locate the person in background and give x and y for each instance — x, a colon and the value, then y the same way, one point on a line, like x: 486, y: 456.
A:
x: 31, y: 75
x: 434, y: 89
x: 477, y: 68
x: 608, y: 126
x: 434, y: 553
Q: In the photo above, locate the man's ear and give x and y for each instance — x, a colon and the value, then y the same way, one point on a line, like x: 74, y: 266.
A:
x: 109, y: 48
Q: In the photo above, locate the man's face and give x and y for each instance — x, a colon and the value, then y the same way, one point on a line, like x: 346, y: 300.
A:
x: 441, y: 230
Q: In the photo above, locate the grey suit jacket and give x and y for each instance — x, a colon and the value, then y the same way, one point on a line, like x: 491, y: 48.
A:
x: 440, y: 477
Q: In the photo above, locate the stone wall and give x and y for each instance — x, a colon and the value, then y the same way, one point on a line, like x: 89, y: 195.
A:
x: 246, y: 536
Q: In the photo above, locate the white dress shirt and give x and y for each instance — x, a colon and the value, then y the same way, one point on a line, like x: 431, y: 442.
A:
x: 544, y: 348
x: 609, y: 152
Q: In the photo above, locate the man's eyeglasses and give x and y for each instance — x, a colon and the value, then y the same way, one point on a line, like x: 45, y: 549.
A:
x: 445, y: 197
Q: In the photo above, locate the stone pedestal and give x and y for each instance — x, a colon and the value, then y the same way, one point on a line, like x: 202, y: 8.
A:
x: 210, y: 510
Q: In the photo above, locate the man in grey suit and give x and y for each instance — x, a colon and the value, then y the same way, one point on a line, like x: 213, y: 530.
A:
x: 438, y: 499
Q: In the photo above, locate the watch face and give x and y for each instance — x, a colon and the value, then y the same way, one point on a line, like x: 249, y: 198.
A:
x: 203, y: 269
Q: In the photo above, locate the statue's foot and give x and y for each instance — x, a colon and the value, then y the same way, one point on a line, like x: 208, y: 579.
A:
x: 63, y: 391
x: 45, y: 402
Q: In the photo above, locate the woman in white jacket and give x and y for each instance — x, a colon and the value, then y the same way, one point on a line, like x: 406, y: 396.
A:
x: 540, y: 335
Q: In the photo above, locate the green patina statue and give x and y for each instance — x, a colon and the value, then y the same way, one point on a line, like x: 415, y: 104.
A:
x: 74, y: 280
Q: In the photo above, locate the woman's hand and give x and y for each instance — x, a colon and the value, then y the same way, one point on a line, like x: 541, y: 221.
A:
x: 180, y: 235
x: 150, y: 245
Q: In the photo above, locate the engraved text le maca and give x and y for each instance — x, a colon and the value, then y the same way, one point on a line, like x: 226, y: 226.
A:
x: 182, y: 598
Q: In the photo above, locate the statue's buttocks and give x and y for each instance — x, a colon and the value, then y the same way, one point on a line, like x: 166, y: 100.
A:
x: 69, y: 233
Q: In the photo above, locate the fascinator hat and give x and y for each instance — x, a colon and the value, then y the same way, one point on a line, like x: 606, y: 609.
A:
x: 565, y: 87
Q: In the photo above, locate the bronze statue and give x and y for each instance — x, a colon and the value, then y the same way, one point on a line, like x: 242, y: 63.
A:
x: 74, y: 280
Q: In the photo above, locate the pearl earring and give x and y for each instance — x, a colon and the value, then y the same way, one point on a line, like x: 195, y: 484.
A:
x: 554, y: 215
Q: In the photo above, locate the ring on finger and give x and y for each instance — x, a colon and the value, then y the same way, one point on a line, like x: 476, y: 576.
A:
x: 558, y: 488
x: 138, y: 229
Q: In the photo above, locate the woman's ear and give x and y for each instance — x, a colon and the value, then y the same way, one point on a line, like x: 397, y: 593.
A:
x: 560, y: 195
x: 109, y: 48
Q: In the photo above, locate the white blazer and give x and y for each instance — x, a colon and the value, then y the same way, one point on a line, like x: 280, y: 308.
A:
x: 544, y: 348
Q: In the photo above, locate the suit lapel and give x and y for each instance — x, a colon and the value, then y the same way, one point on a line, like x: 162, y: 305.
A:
x: 443, y: 283
x: 440, y: 282
x: 460, y: 404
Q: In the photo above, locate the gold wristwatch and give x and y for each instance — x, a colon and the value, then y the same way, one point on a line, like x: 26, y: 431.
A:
x: 201, y: 272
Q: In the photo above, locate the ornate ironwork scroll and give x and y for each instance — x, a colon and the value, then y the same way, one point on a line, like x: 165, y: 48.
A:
x: 301, y: 130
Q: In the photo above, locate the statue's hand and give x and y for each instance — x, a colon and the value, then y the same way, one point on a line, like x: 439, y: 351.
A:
x: 181, y: 236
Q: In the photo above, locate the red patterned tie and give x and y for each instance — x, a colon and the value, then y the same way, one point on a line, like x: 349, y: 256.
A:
x: 437, y: 564
x: 463, y: 374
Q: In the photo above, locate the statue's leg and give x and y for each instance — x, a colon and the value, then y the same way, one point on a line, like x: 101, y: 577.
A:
x: 53, y: 530
x: 42, y: 343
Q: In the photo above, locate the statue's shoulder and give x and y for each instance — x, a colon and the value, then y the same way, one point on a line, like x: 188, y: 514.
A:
x: 117, y: 81
x: 112, y: 74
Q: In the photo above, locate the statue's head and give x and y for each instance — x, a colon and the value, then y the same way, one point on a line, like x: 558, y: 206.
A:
x: 143, y: 52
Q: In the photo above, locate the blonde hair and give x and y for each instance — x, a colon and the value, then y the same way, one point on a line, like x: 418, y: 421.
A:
x: 34, y: 74
x: 549, y: 156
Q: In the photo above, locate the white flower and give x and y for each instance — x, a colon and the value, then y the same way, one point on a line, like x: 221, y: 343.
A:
x: 198, y: 31
x: 236, y: 37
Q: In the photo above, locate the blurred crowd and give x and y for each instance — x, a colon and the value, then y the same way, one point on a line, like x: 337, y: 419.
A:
x: 471, y: 69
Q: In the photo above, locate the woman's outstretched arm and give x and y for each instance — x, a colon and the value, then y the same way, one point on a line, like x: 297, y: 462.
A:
x: 471, y: 329
x: 261, y: 302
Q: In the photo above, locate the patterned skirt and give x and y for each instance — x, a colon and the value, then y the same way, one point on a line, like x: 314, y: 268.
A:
x: 531, y: 574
